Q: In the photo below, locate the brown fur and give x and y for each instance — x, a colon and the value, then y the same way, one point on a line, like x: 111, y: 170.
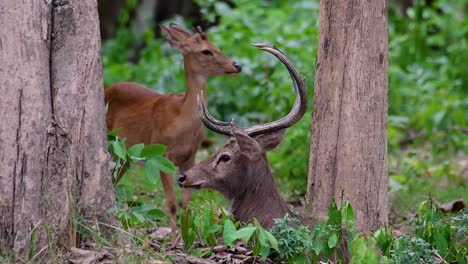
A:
x: 145, y: 116
x: 245, y: 180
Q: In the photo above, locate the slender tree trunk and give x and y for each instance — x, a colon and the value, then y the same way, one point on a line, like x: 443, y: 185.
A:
x: 52, y: 135
x: 348, y: 153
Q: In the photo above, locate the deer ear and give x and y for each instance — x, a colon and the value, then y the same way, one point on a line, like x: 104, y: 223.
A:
x: 270, y: 140
x: 247, y: 145
x: 180, y: 30
x: 175, y: 35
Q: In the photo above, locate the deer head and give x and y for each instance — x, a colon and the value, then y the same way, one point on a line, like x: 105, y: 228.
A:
x: 200, y: 55
x: 240, y: 169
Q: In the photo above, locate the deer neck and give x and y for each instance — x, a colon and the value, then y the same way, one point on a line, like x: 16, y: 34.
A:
x: 261, y: 201
x: 196, y: 83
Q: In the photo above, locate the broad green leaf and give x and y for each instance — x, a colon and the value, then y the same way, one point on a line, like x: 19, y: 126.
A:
x: 272, y: 240
x: 214, y: 228
x: 264, y: 251
x: 228, y: 230
x: 112, y: 134
x: 135, y: 151
x: 334, y: 215
x: 118, y: 149
x: 264, y: 244
x: 152, y: 170
x: 139, y: 216
x: 155, y: 213
x: 152, y: 151
x: 257, y: 249
x: 165, y: 165
x: 347, y: 213
x: 399, y: 178
x: 243, y: 233
x: 332, y: 241
x: 317, y: 242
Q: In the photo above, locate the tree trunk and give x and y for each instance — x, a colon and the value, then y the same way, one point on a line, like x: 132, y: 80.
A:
x: 348, y: 152
x: 52, y: 138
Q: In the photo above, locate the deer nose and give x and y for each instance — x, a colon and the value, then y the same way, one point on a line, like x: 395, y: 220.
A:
x: 237, y: 66
x: 181, y: 179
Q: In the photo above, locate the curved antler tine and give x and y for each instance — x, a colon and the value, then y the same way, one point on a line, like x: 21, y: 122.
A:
x: 298, y: 110
x: 209, y: 117
x: 199, y: 30
x: 210, y: 122
x: 300, y: 104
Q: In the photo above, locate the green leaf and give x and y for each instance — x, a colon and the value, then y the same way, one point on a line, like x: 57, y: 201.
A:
x: 135, y: 150
x: 166, y: 165
x: 112, y: 134
x: 272, y: 240
x: 384, y: 240
x: 264, y: 243
x: 332, y: 241
x: 347, y: 214
x: 441, y: 242
x: 118, y: 149
x: 153, y: 151
x: 152, y: 170
x: 155, y: 214
x: 214, y: 228
x: 243, y: 233
x: 317, y: 242
x: 399, y: 178
x: 228, y: 230
x: 334, y: 215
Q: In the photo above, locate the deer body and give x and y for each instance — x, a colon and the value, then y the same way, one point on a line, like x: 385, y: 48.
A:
x: 260, y: 201
x: 145, y: 116
x: 240, y: 169
x: 138, y: 115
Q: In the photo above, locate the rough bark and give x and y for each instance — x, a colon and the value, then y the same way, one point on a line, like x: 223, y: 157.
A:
x: 52, y: 138
x: 348, y: 153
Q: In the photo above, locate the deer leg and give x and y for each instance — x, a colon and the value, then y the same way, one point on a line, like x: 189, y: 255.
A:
x: 171, y: 201
x: 186, y: 197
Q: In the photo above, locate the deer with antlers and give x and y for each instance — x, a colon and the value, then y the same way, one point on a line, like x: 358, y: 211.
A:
x: 145, y: 116
x: 240, y: 169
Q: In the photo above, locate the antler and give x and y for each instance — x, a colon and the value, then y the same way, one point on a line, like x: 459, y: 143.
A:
x: 298, y: 110
x: 199, y: 30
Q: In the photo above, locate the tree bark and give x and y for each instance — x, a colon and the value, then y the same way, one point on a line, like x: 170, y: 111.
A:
x: 348, y: 152
x: 52, y: 139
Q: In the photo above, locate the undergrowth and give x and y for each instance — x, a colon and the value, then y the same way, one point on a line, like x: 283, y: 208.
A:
x: 433, y: 237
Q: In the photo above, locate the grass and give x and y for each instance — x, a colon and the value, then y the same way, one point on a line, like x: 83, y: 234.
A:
x: 416, y: 174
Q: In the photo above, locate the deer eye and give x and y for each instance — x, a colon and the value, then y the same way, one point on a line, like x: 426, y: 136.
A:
x: 224, y: 158
x: 207, y: 52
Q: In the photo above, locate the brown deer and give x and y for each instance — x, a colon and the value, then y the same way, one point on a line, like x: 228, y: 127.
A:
x: 145, y: 116
x: 240, y: 170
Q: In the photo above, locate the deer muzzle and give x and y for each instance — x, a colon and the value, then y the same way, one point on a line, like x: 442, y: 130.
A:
x: 183, y: 183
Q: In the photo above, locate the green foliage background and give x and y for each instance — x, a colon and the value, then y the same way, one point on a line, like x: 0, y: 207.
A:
x: 428, y: 83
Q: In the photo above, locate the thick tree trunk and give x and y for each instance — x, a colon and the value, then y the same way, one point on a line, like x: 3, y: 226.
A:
x: 52, y: 137
x: 348, y: 153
